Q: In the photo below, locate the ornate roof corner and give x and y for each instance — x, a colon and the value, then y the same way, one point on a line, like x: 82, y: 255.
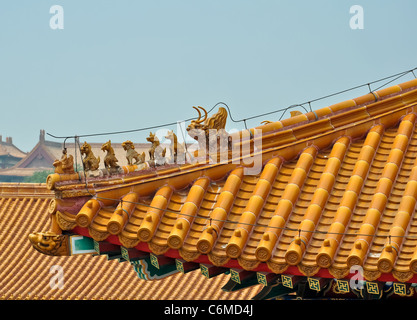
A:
x: 50, y: 243
x: 317, y: 197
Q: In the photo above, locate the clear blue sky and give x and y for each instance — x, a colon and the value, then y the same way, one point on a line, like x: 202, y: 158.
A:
x: 120, y: 65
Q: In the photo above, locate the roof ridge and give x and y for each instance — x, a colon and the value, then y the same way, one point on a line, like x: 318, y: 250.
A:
x: 340, y: 106
x: 24, y: 189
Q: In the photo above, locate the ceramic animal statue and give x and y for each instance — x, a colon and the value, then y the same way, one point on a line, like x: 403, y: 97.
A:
x: 91, y: 163
x: 216, y: 121
x: 110, y: 160
x: 131, y: 153
x: 65, y: 165
x: 292, y: 113
x: 177, y: 149
x: 206, y: 131
x: 50, y: 243
x: 155, y: 149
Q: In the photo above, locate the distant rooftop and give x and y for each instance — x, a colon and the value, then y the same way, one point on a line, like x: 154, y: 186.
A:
x: 7, y: 148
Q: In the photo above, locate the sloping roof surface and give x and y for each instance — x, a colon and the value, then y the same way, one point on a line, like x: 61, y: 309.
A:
x: 337, y: 188
x: 11, y: 150
x: 26, y: 273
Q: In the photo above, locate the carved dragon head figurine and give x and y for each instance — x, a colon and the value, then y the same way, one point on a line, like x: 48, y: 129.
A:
x: 200, y: 126
x: 216, y: 121
x: 50, y: 243
x: 198, y: 123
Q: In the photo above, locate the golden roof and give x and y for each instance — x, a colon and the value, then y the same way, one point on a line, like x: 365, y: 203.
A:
x: 27, y: 274
x: 337, y: 187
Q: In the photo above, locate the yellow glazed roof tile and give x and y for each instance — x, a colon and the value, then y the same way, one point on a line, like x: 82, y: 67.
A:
x: 26, y: 274
x: 329, y: 190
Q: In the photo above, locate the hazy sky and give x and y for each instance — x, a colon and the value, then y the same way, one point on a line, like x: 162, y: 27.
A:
x: 120, y: 65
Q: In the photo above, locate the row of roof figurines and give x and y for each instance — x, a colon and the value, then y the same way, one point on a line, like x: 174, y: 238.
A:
x: 199, y: 129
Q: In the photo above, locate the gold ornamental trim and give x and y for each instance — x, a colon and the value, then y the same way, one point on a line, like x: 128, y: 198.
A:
x: 63, y: 221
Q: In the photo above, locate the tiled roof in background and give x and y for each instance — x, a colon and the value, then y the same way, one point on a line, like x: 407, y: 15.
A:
x: 11, y: 150
x: 26, y: 273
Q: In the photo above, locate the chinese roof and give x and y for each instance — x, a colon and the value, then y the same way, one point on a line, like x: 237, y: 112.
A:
x: 317, y: 194
x: 26, y: 274
x: 8, y: 149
